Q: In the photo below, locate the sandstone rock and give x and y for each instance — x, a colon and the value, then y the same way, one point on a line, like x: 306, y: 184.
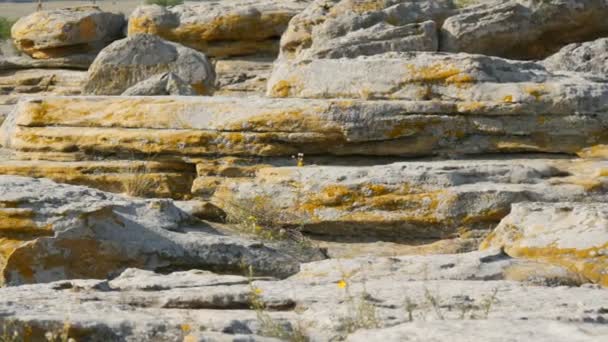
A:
x: 408, y: 200
x: 212, y: 126
x: 14, y: 83
x: 129, y: 61
x: 51, y: 231
x: 573, y: 235
x: 140, y: 304
x: 162, y: 84
x: 350, y: 28
x: 63, y: 32
x: 220, y: 28
x: 420, y: 76
x: 587, y: 57
x: 524, y: 29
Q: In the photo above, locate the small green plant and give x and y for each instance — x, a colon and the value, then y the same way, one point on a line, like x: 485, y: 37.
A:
x: 165, y: 2
x: 140, y: 184
x: 410, y: 307
x: 5, y: 28
x: 361, y: 311
x: 487, y: 303
x: 435, y: 303
x: 268, y: 326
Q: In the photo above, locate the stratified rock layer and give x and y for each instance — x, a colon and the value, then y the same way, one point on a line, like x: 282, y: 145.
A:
x: 69, y: 31
x: 219, y: 28
x: 50, y: 232
x: 573, y: 235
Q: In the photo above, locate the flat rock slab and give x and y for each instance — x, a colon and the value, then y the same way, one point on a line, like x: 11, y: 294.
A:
x: 63, y: 32
x: 254, y: 126
x: 320, y: 299
x: 50, y: 231
x: 573, y: 235
x: 220, y: 28
x: 408, y: 200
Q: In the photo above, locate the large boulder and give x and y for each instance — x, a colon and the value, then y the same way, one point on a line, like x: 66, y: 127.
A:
x: 220, y: 28
x: 50, y: 232
x: 62, y: 32
x: 523, y: 29
x: 573, y: 235
x: 134, y: 59
x: 590, y: 57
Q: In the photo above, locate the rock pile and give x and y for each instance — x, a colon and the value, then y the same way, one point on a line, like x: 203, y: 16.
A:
x: 339, y: 170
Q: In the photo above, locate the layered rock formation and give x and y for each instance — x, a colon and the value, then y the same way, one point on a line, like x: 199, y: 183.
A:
x: 58, y: 33
x: 396, y: 139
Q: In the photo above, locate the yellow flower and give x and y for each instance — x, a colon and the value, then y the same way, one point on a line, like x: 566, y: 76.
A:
x: 258, y: 291
x: 342, y: 284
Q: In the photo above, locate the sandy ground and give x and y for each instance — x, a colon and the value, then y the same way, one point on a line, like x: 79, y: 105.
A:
x: 16, y: 10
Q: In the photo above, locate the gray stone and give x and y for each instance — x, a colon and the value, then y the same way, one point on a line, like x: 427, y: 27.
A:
x: 590, y: 57
x: 161, y: 84
x: 523, y: 29
x: 52, y: 231
x: 129, y: 61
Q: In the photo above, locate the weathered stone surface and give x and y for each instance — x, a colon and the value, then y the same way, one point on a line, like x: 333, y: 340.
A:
x: 78, y: 61
x: 489, y: 330
x: 50, y: 231
x: 573, y: 235
x: 376, y: 291
x: 523, y: 29
x: 423, y: 76
x: 132, y: 177
x: 587, y: 57
x: 14, y: 83
x: 162, y: 84
x: 409, y: 200
x: 351, y: 28
x: 238, y: 77
x: 127, y: 62
x: 211, y: 126
x: 220, y: 28
x: 63, y: 32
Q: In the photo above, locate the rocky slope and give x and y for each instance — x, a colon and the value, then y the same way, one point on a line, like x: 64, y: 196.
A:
x: 327, y: 170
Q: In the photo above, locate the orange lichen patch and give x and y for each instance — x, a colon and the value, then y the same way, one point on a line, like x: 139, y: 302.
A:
x: 410, y: 128
x: 597, y: 151
x: 471, y: 106
x: 486, y: 216
x: 281, y: 89
x: 438, y: 73
x: 508, y: 99
x: 591, y: 263
x: 201, y: 89
x: 541, y: 120
x: 537, y: 91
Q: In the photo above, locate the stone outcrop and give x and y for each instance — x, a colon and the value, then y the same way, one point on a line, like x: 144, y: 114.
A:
x: 63, y: 32
x: 127, y: 62
x: 51, y: 231
x: 220, y: 28
x: 523, y: 29
x: 420, y: 76
x: 589, y: 57
x: 211, y: 126
x: 573, y: 235
x: 326, y: 300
